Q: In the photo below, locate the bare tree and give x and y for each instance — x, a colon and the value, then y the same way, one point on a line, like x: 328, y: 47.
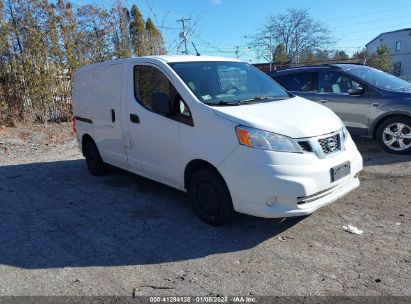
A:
x: 296, y: 30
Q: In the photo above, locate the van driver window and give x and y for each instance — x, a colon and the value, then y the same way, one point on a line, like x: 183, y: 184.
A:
x: 149, y: 80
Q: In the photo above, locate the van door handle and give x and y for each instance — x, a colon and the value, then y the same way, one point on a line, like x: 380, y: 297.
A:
x: 323, y: 100
x: 113, y: 116
x: 375, y: 104
x: 134, y: 118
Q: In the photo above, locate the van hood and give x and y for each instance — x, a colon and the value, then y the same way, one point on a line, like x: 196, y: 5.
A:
x: 295, y: 117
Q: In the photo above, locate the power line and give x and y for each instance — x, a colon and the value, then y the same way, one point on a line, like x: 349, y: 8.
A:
x: 373, y: 29
x: 377, y: 20
x: 372, y: 13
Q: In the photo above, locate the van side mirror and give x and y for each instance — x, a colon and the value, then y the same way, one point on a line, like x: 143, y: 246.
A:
x: 356, y: 91
x: 160, y: 103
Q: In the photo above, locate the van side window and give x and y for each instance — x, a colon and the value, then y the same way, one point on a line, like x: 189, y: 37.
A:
x: 149, y: 80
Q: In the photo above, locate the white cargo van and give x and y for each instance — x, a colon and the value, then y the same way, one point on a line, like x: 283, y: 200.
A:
x: 217, y: 128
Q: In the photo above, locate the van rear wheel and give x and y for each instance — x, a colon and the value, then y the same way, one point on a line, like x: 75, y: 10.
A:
x: 94, y: 161
x: 210, y: 197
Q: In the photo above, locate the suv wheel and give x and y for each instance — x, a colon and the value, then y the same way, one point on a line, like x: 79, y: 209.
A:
x: 210, y: 197
x: 94, y: 161
x: 394, y: 135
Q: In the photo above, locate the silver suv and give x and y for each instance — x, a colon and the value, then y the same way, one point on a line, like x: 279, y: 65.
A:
x: 370, y: 102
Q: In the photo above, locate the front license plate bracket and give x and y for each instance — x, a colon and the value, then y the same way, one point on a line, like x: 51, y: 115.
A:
x: 340, y: 171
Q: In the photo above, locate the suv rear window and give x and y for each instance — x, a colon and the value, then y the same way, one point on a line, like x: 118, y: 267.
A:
x: 300, y: 82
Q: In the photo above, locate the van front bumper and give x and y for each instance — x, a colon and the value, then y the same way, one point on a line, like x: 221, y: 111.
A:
x: 277, y: 184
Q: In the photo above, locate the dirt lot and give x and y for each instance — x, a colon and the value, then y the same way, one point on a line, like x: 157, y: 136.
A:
x: 64, y: 232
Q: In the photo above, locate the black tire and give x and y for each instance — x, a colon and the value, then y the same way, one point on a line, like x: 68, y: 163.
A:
x: 210, y: 197
x: 94, y: 161
x: 388, y: 131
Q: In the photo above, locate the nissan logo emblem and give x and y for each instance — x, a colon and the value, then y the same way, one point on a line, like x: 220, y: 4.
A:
x: 331, y: 144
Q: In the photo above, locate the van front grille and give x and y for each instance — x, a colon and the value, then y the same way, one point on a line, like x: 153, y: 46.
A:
x: 306, y: 146
x: 330, y: 144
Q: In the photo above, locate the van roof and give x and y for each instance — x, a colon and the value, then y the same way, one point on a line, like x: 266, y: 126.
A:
x: 189, y: 58
x: 164, y: 58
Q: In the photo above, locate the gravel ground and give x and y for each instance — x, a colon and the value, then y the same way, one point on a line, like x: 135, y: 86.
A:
x: 64, y: 232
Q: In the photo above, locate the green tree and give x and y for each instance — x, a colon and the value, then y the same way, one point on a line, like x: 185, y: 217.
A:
x: 52, y: 35
x: 280, y: 55
x: 153, y: 39
x: 323, y: 56
x: 362, y: 55
x: 42, y: 43
x: 137, y: 30
x: 39, y: 72
x: 120, y: 24
x: 94, y: 34
x: 340, y: 55
x: 382, y: 59
x: 309, y: 58
x: 68, y: 35
x: 3, y: 65
x: 34, y: 61
x: 10, y: 52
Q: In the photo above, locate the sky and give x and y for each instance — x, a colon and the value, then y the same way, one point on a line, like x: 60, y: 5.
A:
x: 224, y: 25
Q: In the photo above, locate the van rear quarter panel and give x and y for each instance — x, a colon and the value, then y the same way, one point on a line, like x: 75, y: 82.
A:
x: 97, y: 91
x: 82, y: 96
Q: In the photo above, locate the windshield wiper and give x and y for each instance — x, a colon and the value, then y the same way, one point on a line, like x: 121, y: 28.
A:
x: 243, y: 101
x: 222, y: 103
x: 258, y: 98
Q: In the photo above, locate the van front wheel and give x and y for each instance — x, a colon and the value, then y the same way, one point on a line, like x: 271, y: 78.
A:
x: 94, y: 161
x: 210, y: 197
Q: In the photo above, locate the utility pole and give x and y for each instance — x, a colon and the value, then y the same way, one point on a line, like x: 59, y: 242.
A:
x: 183, y: 34
x: 236, y: 51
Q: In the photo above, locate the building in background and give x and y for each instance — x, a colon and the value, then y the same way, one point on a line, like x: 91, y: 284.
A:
x: 399, y: 42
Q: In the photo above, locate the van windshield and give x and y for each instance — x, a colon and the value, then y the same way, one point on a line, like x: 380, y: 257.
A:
x: 228, y: 83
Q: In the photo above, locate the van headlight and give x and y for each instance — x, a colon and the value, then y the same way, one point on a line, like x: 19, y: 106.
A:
x: 345, y: 132
x: 266, y: 140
